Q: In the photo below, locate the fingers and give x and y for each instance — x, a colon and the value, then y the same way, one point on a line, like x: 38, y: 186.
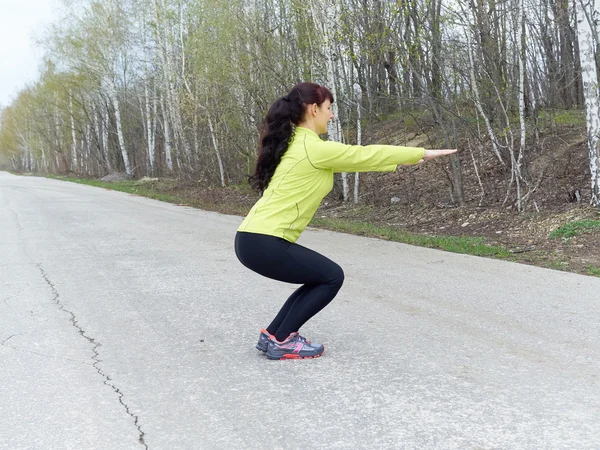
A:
x: 430, y: 154
x: 443, y: 152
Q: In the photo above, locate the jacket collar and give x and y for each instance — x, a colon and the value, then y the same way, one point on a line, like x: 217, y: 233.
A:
x: 306, y: 131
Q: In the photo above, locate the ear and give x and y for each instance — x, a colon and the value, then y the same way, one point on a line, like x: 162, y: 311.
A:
x: 314, y: 108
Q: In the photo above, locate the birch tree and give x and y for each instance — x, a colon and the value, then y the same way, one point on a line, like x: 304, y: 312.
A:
x: 325, y: 17
x: 588, y: 14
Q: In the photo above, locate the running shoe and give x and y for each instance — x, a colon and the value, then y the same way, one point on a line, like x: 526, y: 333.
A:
x: 263, y: 341
x: 294, y: 347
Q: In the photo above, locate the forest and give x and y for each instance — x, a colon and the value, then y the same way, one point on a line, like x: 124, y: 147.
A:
x: 178, y: 89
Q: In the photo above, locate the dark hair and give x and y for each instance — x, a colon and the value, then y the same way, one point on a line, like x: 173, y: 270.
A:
x: 277, y: 128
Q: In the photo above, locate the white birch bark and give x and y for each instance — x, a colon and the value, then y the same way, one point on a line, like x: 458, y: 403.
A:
x: 181, y: 43
x: 57, y: 143
x: 48, y: 156
x: 519, y: 161
x: 112, y: 91
x: 358, y: 98
x: 96, y: 130
x: 27, y: 159
x: 165, y: 49
x: 196, y: 143
x: 74, y: 165
x: 25, y: 149
x: 176, y: 104
x: 104, y: 122
x: 44, y: 159
x: 587, y: 12
x: 166, y: 95
x: 478, y: 99
x: 324, y: 14
x: 149, y: 130
x: 154, y: 118
x: 150, y: 113
x: 219, y: 159
x: 167, y: 133
x: 85, y: 147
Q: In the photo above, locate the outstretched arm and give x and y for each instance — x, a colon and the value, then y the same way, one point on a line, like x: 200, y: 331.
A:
x: 356, y: 158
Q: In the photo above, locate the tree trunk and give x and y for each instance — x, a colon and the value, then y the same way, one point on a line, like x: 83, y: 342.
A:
x: 519, y: 160
x: 358, y: 98
x: 105, y: 122
x: 324, y: 17
x: 587, y: 11
x: 149, y: 131
x: 117, y: 107
x: 219, y: 159
x: 477, y: 100
x: 74, y: 164
x: 167, y: 134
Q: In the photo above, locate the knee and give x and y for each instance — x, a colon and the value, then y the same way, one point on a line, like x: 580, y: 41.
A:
x: 337, y: 277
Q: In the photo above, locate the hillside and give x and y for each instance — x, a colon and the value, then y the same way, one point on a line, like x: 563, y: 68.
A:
x: 424, y: 202
x: 419, y: 199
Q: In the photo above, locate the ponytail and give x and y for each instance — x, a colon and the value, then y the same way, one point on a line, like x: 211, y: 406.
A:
x: 277, y: 129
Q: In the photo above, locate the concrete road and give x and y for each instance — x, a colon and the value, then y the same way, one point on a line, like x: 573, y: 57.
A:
x: 128, y: 323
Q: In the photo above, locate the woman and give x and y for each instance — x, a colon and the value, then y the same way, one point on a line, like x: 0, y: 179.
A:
x: 294, y: 172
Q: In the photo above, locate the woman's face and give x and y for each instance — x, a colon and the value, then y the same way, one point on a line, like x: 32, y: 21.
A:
x: 323, y: 116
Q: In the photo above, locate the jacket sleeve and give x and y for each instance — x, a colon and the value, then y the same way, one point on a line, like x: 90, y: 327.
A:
x: 357, y: 158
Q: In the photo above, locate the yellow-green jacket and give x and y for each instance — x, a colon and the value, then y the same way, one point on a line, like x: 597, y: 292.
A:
x: 304, y: 177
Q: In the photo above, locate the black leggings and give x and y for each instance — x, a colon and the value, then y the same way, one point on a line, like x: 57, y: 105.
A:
x: 276, y: 258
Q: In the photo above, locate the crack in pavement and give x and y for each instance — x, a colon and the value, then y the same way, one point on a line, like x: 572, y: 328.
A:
x: 4, y: 341
x: 17, y: 220
x: 95, y: 358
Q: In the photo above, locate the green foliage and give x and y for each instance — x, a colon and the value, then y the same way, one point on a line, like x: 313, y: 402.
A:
x: 197, y: 77
x: 557, y: 265
x: 575, y: 228
x: 562, y: 117
x: 594, y: 271
x: 556, y: 120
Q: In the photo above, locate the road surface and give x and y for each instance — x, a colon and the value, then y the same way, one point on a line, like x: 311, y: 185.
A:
x: 128, y: 323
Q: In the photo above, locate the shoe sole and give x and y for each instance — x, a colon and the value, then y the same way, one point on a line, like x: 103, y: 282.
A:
x: 264, y: 350
x: 292, y: 356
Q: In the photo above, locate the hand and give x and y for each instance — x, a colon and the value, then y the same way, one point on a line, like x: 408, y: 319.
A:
x: 430, y: 154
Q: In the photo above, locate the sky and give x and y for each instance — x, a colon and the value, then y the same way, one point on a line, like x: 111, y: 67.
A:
x: 20, y: 21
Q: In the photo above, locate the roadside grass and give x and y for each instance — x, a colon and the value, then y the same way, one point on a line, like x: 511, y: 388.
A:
x: 575, y: 228
x: 557, y: 265
x: 132, y: 187
x: 594, y: 271
x: 464, y: 245
x: 151, y: 189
